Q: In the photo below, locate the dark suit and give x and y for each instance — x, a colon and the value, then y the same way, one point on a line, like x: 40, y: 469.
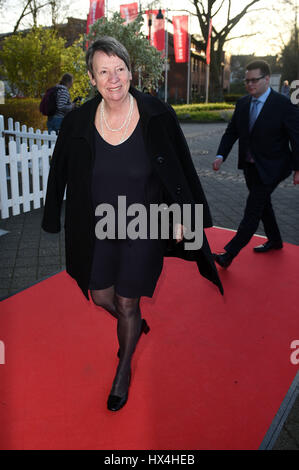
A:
x: 274, y: 145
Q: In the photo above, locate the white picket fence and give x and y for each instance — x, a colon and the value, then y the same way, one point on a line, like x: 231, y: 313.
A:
x: 24, y: 167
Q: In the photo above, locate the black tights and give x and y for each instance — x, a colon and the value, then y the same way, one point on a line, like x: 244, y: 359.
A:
x: 127, y: 312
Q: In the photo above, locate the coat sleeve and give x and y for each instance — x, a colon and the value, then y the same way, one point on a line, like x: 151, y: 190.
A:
x: 205, y: 260
x: 188, y: 167
x: 57, y: 180
x: 229, y: 138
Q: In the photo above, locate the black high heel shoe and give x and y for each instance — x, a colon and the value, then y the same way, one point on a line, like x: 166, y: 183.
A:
x: 115, y: 402
x: 144, y: 329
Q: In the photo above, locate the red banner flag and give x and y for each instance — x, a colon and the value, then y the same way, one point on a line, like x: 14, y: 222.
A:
x: 208, y: 51
x: 96, y: 11
x: 156, y: 30
x: 129, y: 12
x: 180, y: 38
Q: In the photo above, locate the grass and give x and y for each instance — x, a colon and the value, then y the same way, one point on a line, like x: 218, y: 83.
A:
x: 204, y: 112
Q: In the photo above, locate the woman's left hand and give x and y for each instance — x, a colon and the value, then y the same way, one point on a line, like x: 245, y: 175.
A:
x: 179, y: 232
x: 296, y: 177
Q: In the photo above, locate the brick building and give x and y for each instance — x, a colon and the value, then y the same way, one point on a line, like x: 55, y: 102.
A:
x: 71, y: 30
x: 178, y: 74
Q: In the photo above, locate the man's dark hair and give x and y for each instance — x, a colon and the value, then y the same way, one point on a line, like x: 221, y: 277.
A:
x: 66, y: 79
x: 259, y: 64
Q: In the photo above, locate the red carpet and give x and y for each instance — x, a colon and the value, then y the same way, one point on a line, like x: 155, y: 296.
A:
x: 211, y: 374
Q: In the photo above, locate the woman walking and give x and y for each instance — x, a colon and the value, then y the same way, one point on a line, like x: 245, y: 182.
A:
x: 122, y: 142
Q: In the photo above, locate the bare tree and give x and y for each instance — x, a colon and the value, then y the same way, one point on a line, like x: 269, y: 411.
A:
x: 56, y: 9
x: 290, y: 50
x: 32, y: 8
x: 207, y: 10
x: 22, y: 15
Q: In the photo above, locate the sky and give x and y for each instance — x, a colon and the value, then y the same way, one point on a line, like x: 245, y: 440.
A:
x: 269, y: 27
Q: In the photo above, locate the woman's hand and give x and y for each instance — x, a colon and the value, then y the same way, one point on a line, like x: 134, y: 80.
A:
x: 179, y: 232
x: 296, y: 177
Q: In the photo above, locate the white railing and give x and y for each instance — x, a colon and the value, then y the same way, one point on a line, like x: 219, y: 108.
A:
x: 24, y: 167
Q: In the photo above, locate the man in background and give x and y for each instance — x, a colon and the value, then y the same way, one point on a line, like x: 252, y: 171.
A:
x: 285, y: 89
x: 266, y: 124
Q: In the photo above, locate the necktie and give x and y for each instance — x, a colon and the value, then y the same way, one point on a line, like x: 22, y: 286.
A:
x: 253, y: 112
x: 252, y: 118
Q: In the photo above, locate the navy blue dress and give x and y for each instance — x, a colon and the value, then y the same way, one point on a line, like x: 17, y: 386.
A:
x: 133, y: 267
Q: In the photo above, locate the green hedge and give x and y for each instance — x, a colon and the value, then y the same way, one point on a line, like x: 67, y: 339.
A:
x: 25, y: 111
x: 232, y: 98
x: 210, y: 112
x: 202, y: 107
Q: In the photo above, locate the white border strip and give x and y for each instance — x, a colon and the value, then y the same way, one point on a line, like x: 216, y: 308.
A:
x: 281, y: 415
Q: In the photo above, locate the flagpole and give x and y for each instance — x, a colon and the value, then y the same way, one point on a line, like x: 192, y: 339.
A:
x: 208, y: 60
x: 166, y: 56
x: 139, y: 68
x: 207, y: 82
x: 189, y: 62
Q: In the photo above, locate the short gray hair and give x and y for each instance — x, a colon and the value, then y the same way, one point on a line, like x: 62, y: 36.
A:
x: 110, y: 46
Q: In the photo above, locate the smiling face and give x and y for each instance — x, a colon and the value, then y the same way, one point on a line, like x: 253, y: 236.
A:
x: 256, y: 83
x: 111, y: 77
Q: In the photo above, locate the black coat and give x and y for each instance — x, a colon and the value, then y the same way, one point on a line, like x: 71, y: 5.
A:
x: 276, y: 127
x: 72, y: 165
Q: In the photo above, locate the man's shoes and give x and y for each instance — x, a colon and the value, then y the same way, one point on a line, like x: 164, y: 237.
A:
x: 267, y: 246
x: 223, y: 259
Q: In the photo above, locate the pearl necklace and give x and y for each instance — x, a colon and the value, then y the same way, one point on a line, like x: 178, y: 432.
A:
x: 125, y: 121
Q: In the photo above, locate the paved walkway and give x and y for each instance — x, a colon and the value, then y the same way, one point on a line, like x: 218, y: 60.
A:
x: 28, y: 254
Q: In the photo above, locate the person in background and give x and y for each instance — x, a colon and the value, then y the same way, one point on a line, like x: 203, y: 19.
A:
x: 267, y: 127
x: 285, y: 89
x: 63, y: 103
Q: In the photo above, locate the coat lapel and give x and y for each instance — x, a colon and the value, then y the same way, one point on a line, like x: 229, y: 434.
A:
x: 246, y: 114
x: 84, y: 125
x: 148, y: 107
